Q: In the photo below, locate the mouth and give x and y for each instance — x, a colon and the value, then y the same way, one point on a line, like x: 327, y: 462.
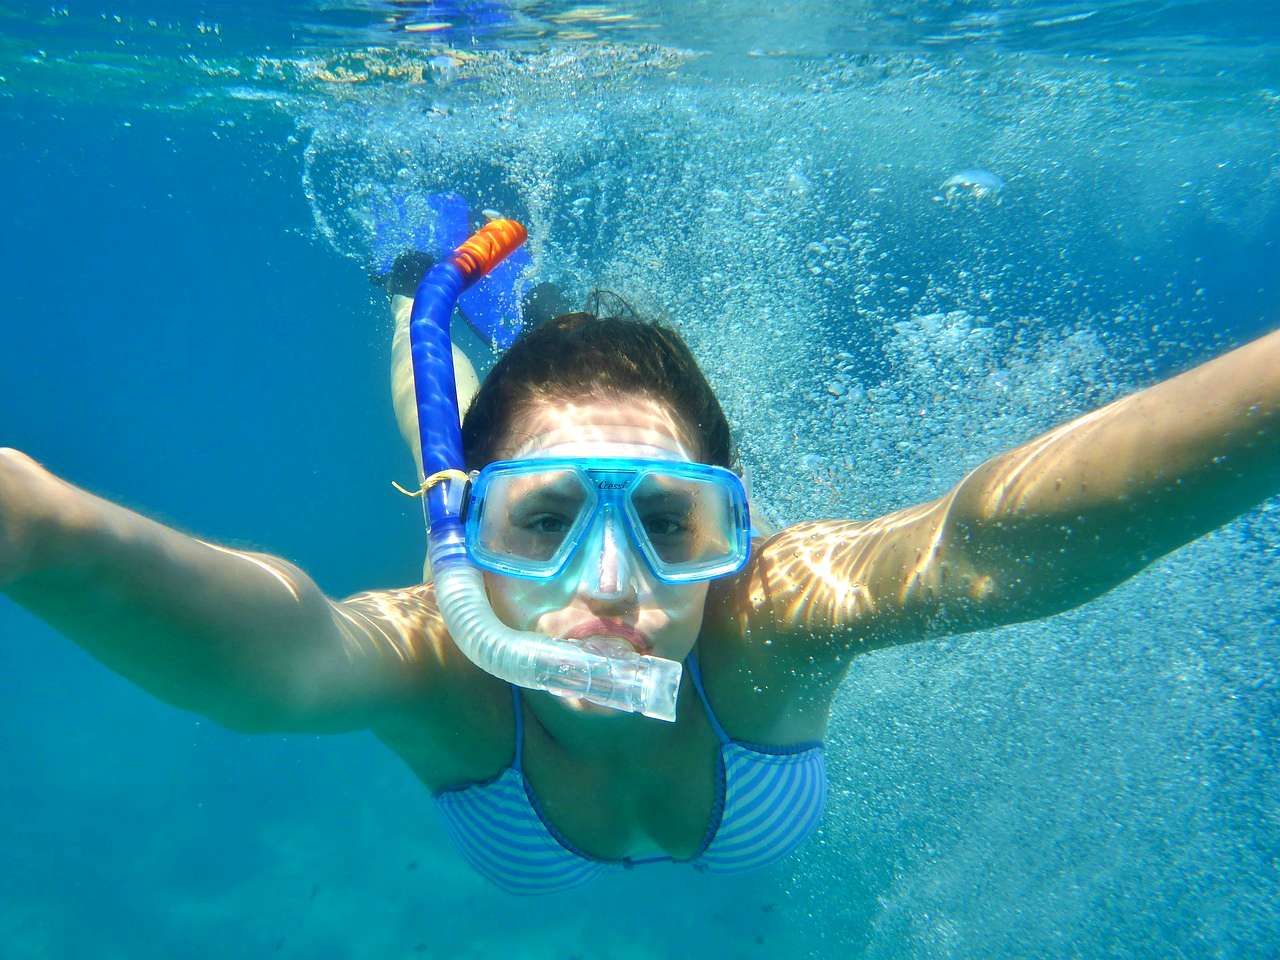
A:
x: 611, y: 628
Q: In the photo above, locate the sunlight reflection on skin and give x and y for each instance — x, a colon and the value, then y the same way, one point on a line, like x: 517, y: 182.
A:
x: 580, y: 427
x: 1007, y: 494
x: 267, y: 564
x: 400, y: 624
x: 384, y: 623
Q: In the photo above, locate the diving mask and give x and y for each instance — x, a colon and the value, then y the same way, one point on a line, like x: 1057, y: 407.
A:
x: 529, y: 518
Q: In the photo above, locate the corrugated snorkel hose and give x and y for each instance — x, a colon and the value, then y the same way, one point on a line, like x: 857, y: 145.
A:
x: 601, y: 673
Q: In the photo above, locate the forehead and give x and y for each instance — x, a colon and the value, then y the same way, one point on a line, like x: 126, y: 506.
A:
x: 635, y: 426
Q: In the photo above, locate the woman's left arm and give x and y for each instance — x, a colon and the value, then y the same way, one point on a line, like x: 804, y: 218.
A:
x: 1037, y: 530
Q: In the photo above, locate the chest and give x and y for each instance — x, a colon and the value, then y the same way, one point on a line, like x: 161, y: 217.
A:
x: 663, y: 798
x: 757, y: 806
x: 655, y: 802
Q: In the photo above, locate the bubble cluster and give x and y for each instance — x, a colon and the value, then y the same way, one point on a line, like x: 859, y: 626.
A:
x: 870, y: 345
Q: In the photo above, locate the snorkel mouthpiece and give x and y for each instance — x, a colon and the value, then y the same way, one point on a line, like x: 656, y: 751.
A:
x: 605, y: 674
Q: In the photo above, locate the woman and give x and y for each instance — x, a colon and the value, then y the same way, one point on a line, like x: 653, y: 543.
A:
x: 543, y: 793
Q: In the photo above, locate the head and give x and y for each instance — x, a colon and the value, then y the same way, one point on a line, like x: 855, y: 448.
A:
x: 587, y: 385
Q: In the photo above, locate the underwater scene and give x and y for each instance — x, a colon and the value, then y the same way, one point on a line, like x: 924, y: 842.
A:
x: 900, y: 237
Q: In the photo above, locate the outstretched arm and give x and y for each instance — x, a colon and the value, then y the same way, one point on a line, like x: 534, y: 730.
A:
x: 243, y: 638
x: 1040, y: 529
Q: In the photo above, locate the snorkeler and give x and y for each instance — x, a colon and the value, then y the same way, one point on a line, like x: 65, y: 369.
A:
x: 586, y: 513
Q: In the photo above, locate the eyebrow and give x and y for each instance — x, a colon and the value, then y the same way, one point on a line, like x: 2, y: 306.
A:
x: 662, y: 496
x: 547, y: 496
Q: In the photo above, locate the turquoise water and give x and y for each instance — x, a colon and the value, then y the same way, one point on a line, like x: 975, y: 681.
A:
x: 900, y: 237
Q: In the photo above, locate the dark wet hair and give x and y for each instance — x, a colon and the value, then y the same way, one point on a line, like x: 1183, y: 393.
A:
x: 606, y: 351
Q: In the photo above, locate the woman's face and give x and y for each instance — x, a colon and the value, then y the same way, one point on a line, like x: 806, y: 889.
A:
x: 607, y: 589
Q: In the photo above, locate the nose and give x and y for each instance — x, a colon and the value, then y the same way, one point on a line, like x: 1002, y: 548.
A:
x: 610, y: 565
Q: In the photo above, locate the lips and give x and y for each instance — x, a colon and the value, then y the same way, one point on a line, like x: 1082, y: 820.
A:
x: 611, y: 628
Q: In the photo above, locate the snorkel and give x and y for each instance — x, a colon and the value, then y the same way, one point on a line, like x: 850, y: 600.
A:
x: 598, y: 669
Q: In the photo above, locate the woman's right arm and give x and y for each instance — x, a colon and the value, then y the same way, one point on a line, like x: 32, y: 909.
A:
x: 243, y: 638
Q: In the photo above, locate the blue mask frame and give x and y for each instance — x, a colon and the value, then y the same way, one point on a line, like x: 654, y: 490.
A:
x: 608, y: 484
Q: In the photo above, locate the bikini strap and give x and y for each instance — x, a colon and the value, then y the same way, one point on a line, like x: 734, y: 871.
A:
x: 518, y: 763
x: 696, y: 676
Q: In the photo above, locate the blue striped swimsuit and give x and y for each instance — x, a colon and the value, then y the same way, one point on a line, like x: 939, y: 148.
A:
x: 767, y: 801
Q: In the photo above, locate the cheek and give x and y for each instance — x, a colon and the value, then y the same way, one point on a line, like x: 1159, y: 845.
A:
x: 683, y: 605
x: 505, y: 597
x: 519, y: 603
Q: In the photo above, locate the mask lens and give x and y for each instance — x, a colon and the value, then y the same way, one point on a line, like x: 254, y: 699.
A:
x: 688, y: 522
x: 531, y: 516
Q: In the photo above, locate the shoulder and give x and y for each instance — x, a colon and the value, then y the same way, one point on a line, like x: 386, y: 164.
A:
x: 801, y: 590
x: 810, y: 577
x: 769, y: 678
x: 444, y: 716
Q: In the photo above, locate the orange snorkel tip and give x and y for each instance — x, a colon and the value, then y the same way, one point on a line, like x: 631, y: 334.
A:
x: 487, y: 247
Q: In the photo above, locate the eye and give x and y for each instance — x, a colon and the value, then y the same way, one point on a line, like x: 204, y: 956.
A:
x: 665, y: 525
x: 547, y: 523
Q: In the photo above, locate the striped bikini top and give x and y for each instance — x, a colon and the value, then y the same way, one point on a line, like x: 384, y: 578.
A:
x: 767, y: 801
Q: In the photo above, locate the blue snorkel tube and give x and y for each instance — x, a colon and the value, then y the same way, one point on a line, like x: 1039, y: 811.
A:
x: 603, y: 671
